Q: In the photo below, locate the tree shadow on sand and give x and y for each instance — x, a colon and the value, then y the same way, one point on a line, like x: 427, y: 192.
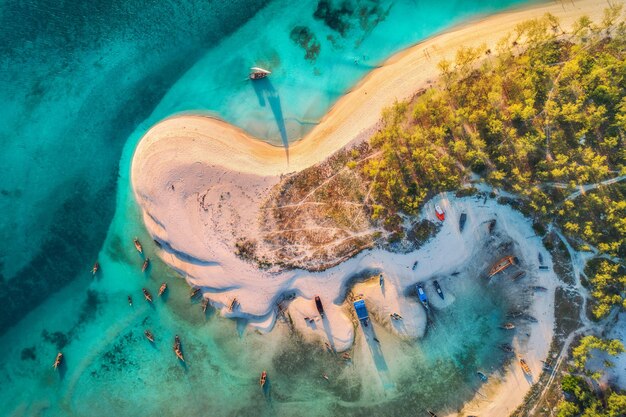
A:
x: 266, y: 93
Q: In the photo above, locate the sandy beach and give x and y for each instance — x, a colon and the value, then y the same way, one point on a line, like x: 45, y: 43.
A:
x: 201, y: 183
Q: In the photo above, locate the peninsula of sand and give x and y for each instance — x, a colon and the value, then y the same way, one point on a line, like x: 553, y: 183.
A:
x: 202, y: 183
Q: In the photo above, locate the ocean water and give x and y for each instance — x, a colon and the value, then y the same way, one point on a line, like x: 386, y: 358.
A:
x: 81, y: 82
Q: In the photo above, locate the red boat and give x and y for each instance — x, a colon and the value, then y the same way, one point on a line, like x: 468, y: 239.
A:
x: 263, y: 379
x: 95, y: 269
x: 439, y: 213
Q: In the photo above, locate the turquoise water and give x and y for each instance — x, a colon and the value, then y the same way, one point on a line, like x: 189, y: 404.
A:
x: 80, y: 84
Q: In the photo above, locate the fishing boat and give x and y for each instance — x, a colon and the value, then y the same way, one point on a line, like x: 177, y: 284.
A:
x: 482, y: 376
x: 149, y: 335
x: 462, y: 221
x: 58, y: 360
x: 539, y: 288
x: 263, y: 379
x: 147, y: 295
x: 145, y: 265
x: 95, y: 269
x: 431, y: 414
x: 422, y: 296
x: 194, y: 292
x: 507, y: 326
x: 162, y: 289
x: 138, y: 245
x: 506, y: 347
x: 501, y: 265
x: 320, y: 307
x: 130, y: 300
x: 438, y: 288
x: 258, y: 73
x: 177, y: 349
x: 524, y: 366
x: 439, y: 213
x: 514, y: 313
x: 205, y: 304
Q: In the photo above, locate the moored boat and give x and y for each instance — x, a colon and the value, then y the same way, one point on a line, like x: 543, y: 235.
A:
x: 507, y: 326
x: 462, y: 220
x: 431, y: 414
x: 205, y: 304
x: 177, y: 349
x: 421, y: 294
x: 438, y: 288
x: 440, y: 213
x: 138, y: 245
x: 194, y: 291
x: 320, y: 307
x: 149, y: 335
x: 258, y: 73
x: 147, y: 295
x: 263, y: 379
x: 539, y: 288
x: 524, y: 366
x: 482, y: 376
x: 501, y: 265
x: 492, y: 225
x: 58, y: 360
x: 162, y: 289
x: 130, y: 300
x: 95, y: 268
x: 381, y: 280
x: 145, y: 265
x: 520, y: 274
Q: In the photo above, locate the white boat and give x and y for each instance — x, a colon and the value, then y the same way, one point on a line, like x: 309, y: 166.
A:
x: 258, y: 73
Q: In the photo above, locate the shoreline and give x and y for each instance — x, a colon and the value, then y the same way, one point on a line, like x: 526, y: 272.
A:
x: 200, y: 183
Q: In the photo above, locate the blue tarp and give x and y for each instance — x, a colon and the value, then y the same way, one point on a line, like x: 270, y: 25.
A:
x: 361, y: 310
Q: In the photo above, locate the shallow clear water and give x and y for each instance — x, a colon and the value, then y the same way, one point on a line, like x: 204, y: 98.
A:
x: 80, y: 84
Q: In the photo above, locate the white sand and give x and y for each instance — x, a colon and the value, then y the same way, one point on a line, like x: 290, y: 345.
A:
x: 200, y: 182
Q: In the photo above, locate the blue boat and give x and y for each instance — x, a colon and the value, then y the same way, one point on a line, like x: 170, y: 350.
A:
x: 422, y: 296
x: 361, y: 311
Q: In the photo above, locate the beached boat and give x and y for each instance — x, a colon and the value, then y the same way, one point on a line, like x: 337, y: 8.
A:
x: 263, y: 379
x: 95, y: 268
x: 233, y: 304
x: 540, y: 258
x: 501, y: 265
x: 205, y: 304
x: 194, y: 291
x: 381, y: 280
x: 421, y: 294
x: 524, y: 366
x: 162, y: 289
x: 439, y: 213
x: 147, y: 295
x: 438, y: 288
x: 149, y: 335
x: 462, y: 220
x: 361, y: 312
x: 506, y: 347
x: 482, y: 376
x: 431, y: 414
x: 507, y: 326
x: 529, y: 318
x: 320, y: 307
x: 145, y: 265
x: 58, y: 360
x: 258, y: 73
x: 177, y: 349
x: 130, y: 300
x: 138, y: 245
x: 491, y: 227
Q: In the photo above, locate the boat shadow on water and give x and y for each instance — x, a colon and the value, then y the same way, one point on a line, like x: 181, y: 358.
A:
x: 377, y: 355
x: 266, y: 92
